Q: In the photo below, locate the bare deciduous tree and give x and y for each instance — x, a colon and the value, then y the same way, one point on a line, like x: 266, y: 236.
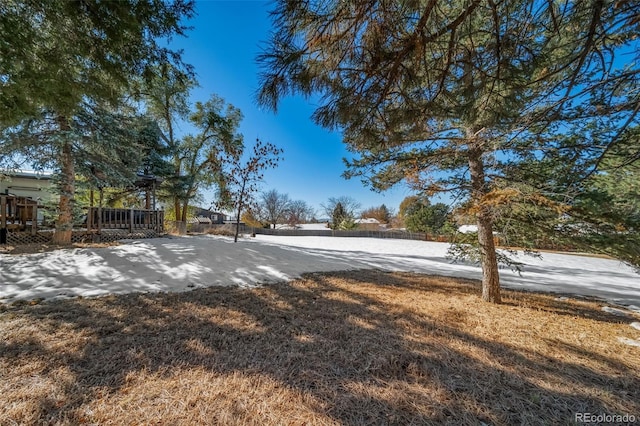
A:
x: 244, y: 178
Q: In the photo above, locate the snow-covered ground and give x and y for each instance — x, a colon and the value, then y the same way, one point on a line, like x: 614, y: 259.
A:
x: 180, y: 264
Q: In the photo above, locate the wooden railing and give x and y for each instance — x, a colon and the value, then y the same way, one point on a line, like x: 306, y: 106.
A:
x: 99, y: 218
x: 18, y: 213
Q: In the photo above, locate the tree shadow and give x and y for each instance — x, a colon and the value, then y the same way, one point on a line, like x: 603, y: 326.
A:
x: 352, y: 342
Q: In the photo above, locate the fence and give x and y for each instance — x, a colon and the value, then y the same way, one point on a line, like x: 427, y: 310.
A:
x: 403, y: 235
x: 106, y: 236
x: 176, y: 227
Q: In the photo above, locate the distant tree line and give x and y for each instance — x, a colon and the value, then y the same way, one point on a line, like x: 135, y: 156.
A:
x: 273, y: 208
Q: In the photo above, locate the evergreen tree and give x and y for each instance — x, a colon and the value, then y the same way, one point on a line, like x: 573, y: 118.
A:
x: 407, y: 203
x: 59, y: 58
x: 338, y: 216
x: 350, y: 207
x: 422, y: 216
x: 54, y: 54
x: 453, y: 96
x: 102, y: 146
x: 599, y: 213
x: 156, y: 162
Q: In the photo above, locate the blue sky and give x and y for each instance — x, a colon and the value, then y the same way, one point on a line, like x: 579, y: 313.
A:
x: 222, y: 46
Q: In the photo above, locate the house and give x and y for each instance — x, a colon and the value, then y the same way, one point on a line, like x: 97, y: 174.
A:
x: 369, y: 223
x: 30, y: 184
x: 24, y: 193
x: 208, y: 217
x: 467, y: 229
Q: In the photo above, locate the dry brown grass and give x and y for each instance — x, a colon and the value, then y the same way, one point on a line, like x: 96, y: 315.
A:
x: 226, y: 230
x: 360, y: 347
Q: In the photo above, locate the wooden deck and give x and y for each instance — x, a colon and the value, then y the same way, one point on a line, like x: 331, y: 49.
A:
x: 19, y: 223
x: 99, y: 218
x: 18, y: 213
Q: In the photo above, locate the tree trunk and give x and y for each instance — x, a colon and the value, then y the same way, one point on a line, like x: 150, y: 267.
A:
x: 185, y: 211
x: 240, y: 206
x: 235, y: 237
x: 176, y: 208
x: 64, y: 223
x: 181, y: 226
x: 488, y: 259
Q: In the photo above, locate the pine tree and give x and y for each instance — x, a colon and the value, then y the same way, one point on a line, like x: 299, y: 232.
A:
x: 102, y: 146
x: 348, y: 205
x: 59, y: 57
x: 586, y: 209
x: 338, y: 216
x: 422, y: 216
x: 453, y: 96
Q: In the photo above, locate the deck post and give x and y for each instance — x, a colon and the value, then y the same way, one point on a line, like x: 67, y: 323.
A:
x: 3, y: 212
x: 90, y: 211
x: 34, y: 218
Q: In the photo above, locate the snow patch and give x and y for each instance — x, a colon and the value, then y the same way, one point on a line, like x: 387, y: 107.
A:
x: 630, y: 342
x: 185, y: 263
x: 615, y: 311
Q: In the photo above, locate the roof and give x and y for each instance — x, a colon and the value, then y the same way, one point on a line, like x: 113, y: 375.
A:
x: 205, y: 212
x: 367, y: 220
x: 198, y: 219
x: 29, y: 174
x: 468, y: 229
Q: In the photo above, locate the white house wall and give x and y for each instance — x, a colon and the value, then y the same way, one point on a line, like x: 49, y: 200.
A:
x: 36, y: 189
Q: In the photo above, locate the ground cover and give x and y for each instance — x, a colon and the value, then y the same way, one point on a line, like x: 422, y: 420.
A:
x: 355, y: 347
x: 184, y: 263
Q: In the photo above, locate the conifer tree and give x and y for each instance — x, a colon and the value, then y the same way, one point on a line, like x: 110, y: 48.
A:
x: 339, y: 215
x: 454, y: 95
x: 380, y: 213
x: 59, y: 58
x: 103, y: 146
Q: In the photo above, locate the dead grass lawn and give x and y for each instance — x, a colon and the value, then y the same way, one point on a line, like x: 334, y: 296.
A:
x: 360, y: 347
